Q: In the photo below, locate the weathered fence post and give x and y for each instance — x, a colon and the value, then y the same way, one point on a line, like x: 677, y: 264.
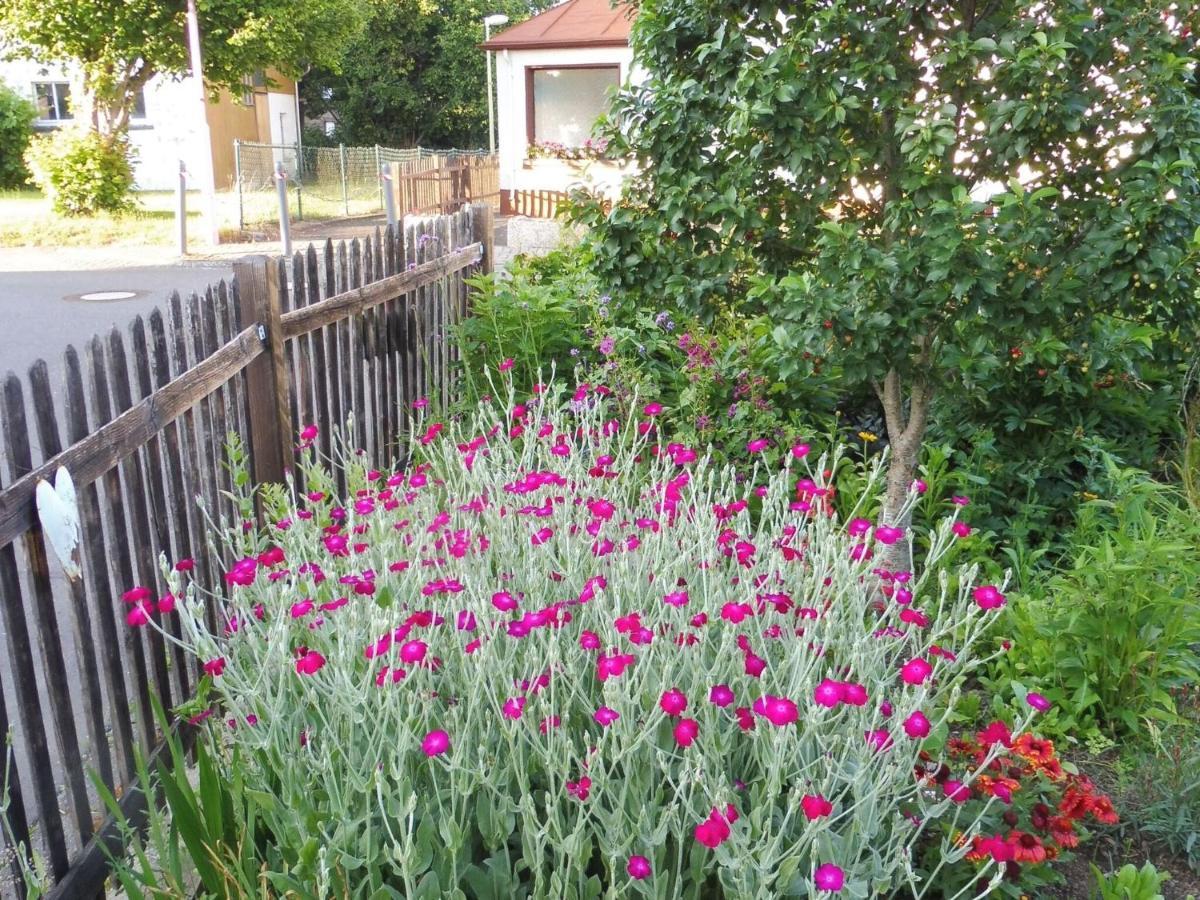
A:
x: 260, y: 300
x: 483, y: 230
x: 389, y: 194
x: 285, y: 225
x: 181, y: 210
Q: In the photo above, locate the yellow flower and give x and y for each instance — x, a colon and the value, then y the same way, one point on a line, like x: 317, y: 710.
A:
x: 868, y: 437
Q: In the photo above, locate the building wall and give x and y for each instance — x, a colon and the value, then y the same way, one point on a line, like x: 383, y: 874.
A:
x: 170, y: 131
x: 545, y: 175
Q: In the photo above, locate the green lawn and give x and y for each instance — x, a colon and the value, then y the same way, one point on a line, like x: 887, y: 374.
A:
x: 26, y: 219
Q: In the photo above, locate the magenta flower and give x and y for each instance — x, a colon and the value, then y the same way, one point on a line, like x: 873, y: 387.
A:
x: 606, y: 715
x: 506, y: 364
x: 215, y: 667
x: 504, y: 601
x: 815, y: 806
x: 961, y: 529
x: 988, y: 596
x: 638, y: 868
x: 915, y: 671
x: 879, y: 739
x: 858, y: 527
x: 917, y: 726
x: 853, y: 694
x: 886, y: 534
x: 673, y: 702
x: 758, y: 445
x: 956, y: 790
x: 829, y: 877
x: 779, y: 711
x: 676, y: 598
x: 918, y: 486
x: 720, y: 695
x: 580, y: 789
x: 651, y: 409
x: 413, y: 651
x: 800, y: 451
x: 513, y: 707
x: 828, y: 693
x: 309, y: 663
x: 1037, y: 701
x: 436, y: 743
x: 686, y: 731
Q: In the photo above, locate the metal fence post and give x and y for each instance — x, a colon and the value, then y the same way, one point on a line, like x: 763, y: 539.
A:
x: 285, y: 227
x: 345, y: 189
x: 378, y: 164
x: 237, y: 176
x: 181, y: 209
x: 388, y: 188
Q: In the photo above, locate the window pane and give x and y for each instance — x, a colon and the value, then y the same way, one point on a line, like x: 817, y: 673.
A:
x: 63, y: 92
x: 567, y: 102
x: 139, y: 105
x: 44, y: 98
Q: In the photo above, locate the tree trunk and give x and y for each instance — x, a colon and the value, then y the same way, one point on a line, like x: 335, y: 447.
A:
x: 905, y: 434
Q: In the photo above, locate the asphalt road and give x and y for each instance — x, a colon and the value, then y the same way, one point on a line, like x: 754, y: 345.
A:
x: 41, y: 313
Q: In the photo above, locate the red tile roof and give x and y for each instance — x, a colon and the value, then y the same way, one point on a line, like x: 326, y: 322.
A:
x: 575, y: 23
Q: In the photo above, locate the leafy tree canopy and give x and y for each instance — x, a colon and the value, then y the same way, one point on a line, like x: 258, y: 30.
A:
x: 415, y: 75
x: 924, y: 194
x: 120, y: 44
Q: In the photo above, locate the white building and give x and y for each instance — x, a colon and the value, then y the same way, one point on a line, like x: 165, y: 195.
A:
x: 554, y: 76
x: 165, y: 126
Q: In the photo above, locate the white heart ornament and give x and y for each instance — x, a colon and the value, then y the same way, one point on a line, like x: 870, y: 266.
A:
x: 58, y: 511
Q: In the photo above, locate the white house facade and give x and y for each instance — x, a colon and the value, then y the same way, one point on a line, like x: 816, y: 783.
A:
x: 555, y: 75
x: 166, y: 126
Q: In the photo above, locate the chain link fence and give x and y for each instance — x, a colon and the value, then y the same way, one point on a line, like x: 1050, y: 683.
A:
x: 327, y: 182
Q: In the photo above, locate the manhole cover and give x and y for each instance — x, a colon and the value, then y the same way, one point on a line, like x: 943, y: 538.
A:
x: 108, y: 295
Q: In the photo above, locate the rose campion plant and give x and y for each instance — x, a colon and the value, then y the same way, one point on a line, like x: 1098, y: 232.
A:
x: 558, y: 656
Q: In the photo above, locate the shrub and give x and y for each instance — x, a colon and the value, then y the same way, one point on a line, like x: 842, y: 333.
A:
x: 82, y: 172
x: 1113, y: 631
x: 16, y: 128
x: 718, y: 382
x: 558, y: 656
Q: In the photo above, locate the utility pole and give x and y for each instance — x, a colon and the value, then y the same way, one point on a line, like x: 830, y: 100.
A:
x: 496, y: 19
x: 205, y: 176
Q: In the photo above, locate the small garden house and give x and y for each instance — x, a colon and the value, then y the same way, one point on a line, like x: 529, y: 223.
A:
x: 554, y: 76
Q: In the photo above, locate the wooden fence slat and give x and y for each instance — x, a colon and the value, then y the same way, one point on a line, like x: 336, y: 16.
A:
x: 116, y: 539
x: 222, y: 398
x: 155, y: 502
x: 18, y: 822
x: 332, y: 354
x: 33, y: 727
x: 343, y: 329
x: 96, y: 571
x: 355, y: 327
x: 85, y: 651
x: 323, y: 414
x: 390, y: 398
x: 45, y: 617
x: 139, y: 515
x: 115, y: 441
x: 174, y: 488
x: 189, y: 437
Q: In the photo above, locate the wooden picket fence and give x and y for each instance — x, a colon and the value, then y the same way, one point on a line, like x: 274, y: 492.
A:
x: 354, y: 331
x: 439, y: 184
